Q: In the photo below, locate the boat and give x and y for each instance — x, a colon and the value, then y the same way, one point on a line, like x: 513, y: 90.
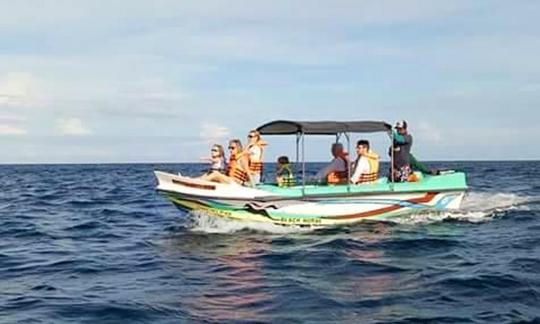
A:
x: 311, y: 204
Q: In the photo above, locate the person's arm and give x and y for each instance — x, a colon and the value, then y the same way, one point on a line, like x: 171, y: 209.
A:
x: 243, y: 161
x: 356, y: 173
x: 329, y: 168
x: 401, y: 139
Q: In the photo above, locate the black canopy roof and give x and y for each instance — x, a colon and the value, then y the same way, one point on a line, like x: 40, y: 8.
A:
x: 287, y: 127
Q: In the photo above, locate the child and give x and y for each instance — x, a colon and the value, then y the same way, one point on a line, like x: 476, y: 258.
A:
x: 284, y: 174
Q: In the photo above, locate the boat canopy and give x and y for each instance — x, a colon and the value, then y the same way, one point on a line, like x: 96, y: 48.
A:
x: 289, y: 127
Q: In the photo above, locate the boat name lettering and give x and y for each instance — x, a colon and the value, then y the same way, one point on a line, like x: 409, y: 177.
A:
x: 300, y: 220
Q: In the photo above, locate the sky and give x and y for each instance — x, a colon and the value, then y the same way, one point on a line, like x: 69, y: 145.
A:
x: 160, y: 81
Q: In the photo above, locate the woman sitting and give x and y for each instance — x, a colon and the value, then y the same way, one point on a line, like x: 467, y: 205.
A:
x: 217, y: 161
x: 236, y: 169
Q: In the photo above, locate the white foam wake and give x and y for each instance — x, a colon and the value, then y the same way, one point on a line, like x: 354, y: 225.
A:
x: 201, y: 222
x: 476, y: 208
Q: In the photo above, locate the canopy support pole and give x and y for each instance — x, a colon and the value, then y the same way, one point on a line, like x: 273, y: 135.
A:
x: 348, y: 162
x: 303, y: 166
x: 297, y: 148
x: 392, y: 169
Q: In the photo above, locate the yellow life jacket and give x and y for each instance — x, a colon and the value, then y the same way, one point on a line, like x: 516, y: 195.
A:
x: 286, y: 177
x: 373, y: 175
x: 235, y: 171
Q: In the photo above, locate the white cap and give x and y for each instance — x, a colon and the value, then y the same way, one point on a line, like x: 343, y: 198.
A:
x: 401, y: 124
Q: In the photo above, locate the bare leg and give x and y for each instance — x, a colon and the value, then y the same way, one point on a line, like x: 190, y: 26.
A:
x: 217, y: 177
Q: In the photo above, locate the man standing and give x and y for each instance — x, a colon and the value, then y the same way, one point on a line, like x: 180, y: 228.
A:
x: 402, y: 151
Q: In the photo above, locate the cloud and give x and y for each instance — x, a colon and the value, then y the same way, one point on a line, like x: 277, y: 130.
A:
x: 72, y: 126
x: 15, y: 88
x: 10, y: 130
x: 188, y: 68
x: 213, y: 133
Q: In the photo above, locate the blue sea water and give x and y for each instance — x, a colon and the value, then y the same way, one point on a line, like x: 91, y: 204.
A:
x: 97, y: 244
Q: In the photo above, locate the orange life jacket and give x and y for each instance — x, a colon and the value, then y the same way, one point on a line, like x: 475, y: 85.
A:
x: 256, y: 167
x: 413, y: 177
x: 339, y: 177
x: 235, y: 171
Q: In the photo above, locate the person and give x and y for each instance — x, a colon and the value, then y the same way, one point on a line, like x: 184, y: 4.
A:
x: 366, y: 167
x: 254, y: 152
x: 337, y: 171
x: 237, y: 167
x: 401, y: 148
x: 217, y: 161
x: 284, y: 174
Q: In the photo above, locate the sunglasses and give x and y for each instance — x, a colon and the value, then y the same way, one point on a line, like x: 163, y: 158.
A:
x: 252, y: 136
x: 232, y: 147
x: 214, y: 150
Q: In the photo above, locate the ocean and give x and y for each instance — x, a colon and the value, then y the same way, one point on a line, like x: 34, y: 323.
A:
x: 98, y: 244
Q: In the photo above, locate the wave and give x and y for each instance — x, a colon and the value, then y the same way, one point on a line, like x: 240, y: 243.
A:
x: 201, y: 222
x: 477, y: 207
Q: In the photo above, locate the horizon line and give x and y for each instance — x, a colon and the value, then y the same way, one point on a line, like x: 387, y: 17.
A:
x: 198, y: 162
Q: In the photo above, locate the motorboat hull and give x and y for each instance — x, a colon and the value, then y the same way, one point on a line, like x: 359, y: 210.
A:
x: 312, y: 206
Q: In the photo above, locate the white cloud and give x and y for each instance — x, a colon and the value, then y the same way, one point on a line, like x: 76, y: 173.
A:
x: 15, y: 88
x: 164, y: 67
x: 72, y: 126
x: 213, y: 133
x: 7, y: 129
